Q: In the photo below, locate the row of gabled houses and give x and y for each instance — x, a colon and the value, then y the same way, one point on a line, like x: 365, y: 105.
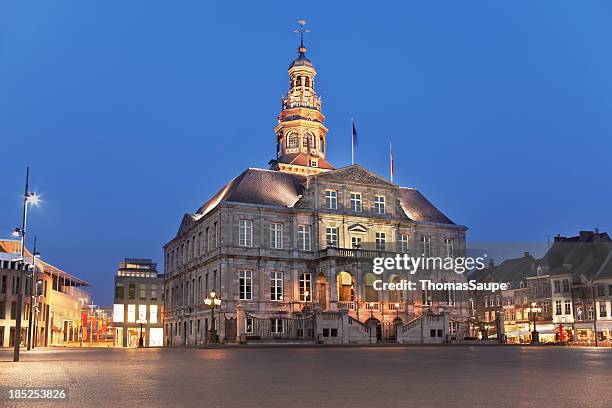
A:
x: 568, y: 291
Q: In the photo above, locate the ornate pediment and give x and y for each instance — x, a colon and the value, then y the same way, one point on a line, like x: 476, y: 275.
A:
x: 357, y: 228
x: 357, y: 174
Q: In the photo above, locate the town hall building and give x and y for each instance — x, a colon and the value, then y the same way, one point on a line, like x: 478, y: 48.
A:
x: 285, y: 253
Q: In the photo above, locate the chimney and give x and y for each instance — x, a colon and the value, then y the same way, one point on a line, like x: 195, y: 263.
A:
x: 559, y: 238
x: 526, y: 254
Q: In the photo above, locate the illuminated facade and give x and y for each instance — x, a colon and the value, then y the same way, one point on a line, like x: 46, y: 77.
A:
x: 57, y: 319
x: 138, y: 309
x: 301, y: 236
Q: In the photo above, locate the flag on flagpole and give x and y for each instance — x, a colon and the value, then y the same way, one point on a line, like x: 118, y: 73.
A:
x: 391, y: 161
x: 353, y: 140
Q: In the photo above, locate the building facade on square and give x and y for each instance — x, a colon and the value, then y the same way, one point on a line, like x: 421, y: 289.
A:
x: 569, y: 288
x: 138, y: 308
x: 277, y: 244
x: 59, y: 297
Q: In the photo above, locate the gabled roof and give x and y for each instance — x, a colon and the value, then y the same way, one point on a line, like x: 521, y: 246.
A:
x: 301, y: 159
x: 355, y: 174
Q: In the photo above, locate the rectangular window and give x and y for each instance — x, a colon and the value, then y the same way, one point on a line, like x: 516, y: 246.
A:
x: 131, y: 313
x: 153, y: 314
x: 601, y: 290
x: 13, y: 310
x: 380, y: 241
x: 356, y: 242
x: 566, y: 286
x: 558, y: 308
x: 603, y: 311
x: 248, y: 325
x: 425, y: 297
x: 331, y: 236
x: 404, y: 248
x: 304, y: 238
x: 557, y: 288
x: 276, y: 325
x: 118, y: 313
x: 2, y: 310
x: 568, y: 307
x: 142, y: 313
x: 276, y: 286
x: 379, y: 204
x: 245, y: 233
x: 119, y: 291
x: 451, y: 297
x: 132, y: 291
x: 246, y: 285
x: 143, y: 292
x: 305, y: 287
x: 153, y: 292
x: 3, y: 284
x: 448, y: 247
x: 426, y: 246
x: 356, y: 202
x: 331, y: 199
x: 276, y: 235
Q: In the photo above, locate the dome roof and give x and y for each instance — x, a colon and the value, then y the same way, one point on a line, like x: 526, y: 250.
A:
x: 301, y: 59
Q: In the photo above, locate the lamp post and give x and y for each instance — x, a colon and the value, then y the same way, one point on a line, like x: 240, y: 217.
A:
x: 82, y: 300
x: 212, y: 301
x: 31, y: 199
x: 92, y: 307
x: 36, y: 309
x: 33, y: 289
x: 141, y: 322
x: 535, y: 336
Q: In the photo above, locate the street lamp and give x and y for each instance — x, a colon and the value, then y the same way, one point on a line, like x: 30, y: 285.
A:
x: 212, y: 301
x: 33, y: 295
x: 535, y: 336
x: 28, y: 199
x: 397, y: 305
x: 141, y: 322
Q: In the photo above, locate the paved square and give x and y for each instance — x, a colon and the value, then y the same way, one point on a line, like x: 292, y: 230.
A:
x: 457, y: 376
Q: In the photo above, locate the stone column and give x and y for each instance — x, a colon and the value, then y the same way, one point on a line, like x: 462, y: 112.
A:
x: 240, y: 323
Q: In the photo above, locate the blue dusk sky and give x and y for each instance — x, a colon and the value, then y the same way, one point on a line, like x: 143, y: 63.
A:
x: 131, y: 114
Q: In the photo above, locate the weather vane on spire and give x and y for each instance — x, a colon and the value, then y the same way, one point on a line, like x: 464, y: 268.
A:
x: 301, y: 29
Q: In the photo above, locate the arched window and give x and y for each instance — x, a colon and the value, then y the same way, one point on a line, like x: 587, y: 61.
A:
x: 345, y: 287
x: 299, y: 81
x: 322, y: 144
x: 307, y: 81
x: 308, y: 140
x: 292, y: 140
x: 396, y: 296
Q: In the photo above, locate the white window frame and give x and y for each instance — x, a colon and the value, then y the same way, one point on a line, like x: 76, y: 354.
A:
x: 245, y: 233
x: 333, y: 233
x: 426, y: 246
x: 304, y: 238
x: 245, y: 284
x: 379, y: 204
x: 276, y: 235
x: 153, y: 314
x: 276, y: 286
x: 426, y: 297
x: 356, y: 202
x: 305, y: 284
x: 275, y: 325
x: 449, y: 247
x: 131, y: 313
x: 404, y: 243
x: 381, y: 241
x: 356, y: 242
x: 331, y: 199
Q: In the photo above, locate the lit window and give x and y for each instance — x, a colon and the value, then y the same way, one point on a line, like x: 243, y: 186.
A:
x: 304, y: 237
x: 118, y: 313
x: 245, y: 233
x: 131, y: 313
x: 331, y: 235
x: 142, y: 312
x: 356, y: 202
x: 246, y: 285
x: 153, y: 314
x: 276, y: 235
x: 331, y: 199
x: 305, y: 287
x: 379, y: 204
x: 276, y: 286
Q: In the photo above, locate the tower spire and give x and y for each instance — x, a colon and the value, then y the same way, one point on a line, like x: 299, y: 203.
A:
x: 301, y: 29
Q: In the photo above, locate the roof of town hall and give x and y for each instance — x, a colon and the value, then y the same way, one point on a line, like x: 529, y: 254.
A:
x: 284, y: 189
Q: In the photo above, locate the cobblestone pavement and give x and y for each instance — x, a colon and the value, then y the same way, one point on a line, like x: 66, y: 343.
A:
x: 456, y: 376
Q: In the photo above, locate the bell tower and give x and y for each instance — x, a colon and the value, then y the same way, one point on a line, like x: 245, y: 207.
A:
x: 301, y: 137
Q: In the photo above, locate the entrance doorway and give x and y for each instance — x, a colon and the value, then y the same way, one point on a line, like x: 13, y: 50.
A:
x: 322, y: 290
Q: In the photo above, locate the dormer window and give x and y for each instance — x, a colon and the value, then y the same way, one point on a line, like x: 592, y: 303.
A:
x: 314, y: 163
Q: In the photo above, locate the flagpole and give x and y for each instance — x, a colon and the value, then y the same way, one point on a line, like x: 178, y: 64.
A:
x: 352, y: 142
x: 391, y: 160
